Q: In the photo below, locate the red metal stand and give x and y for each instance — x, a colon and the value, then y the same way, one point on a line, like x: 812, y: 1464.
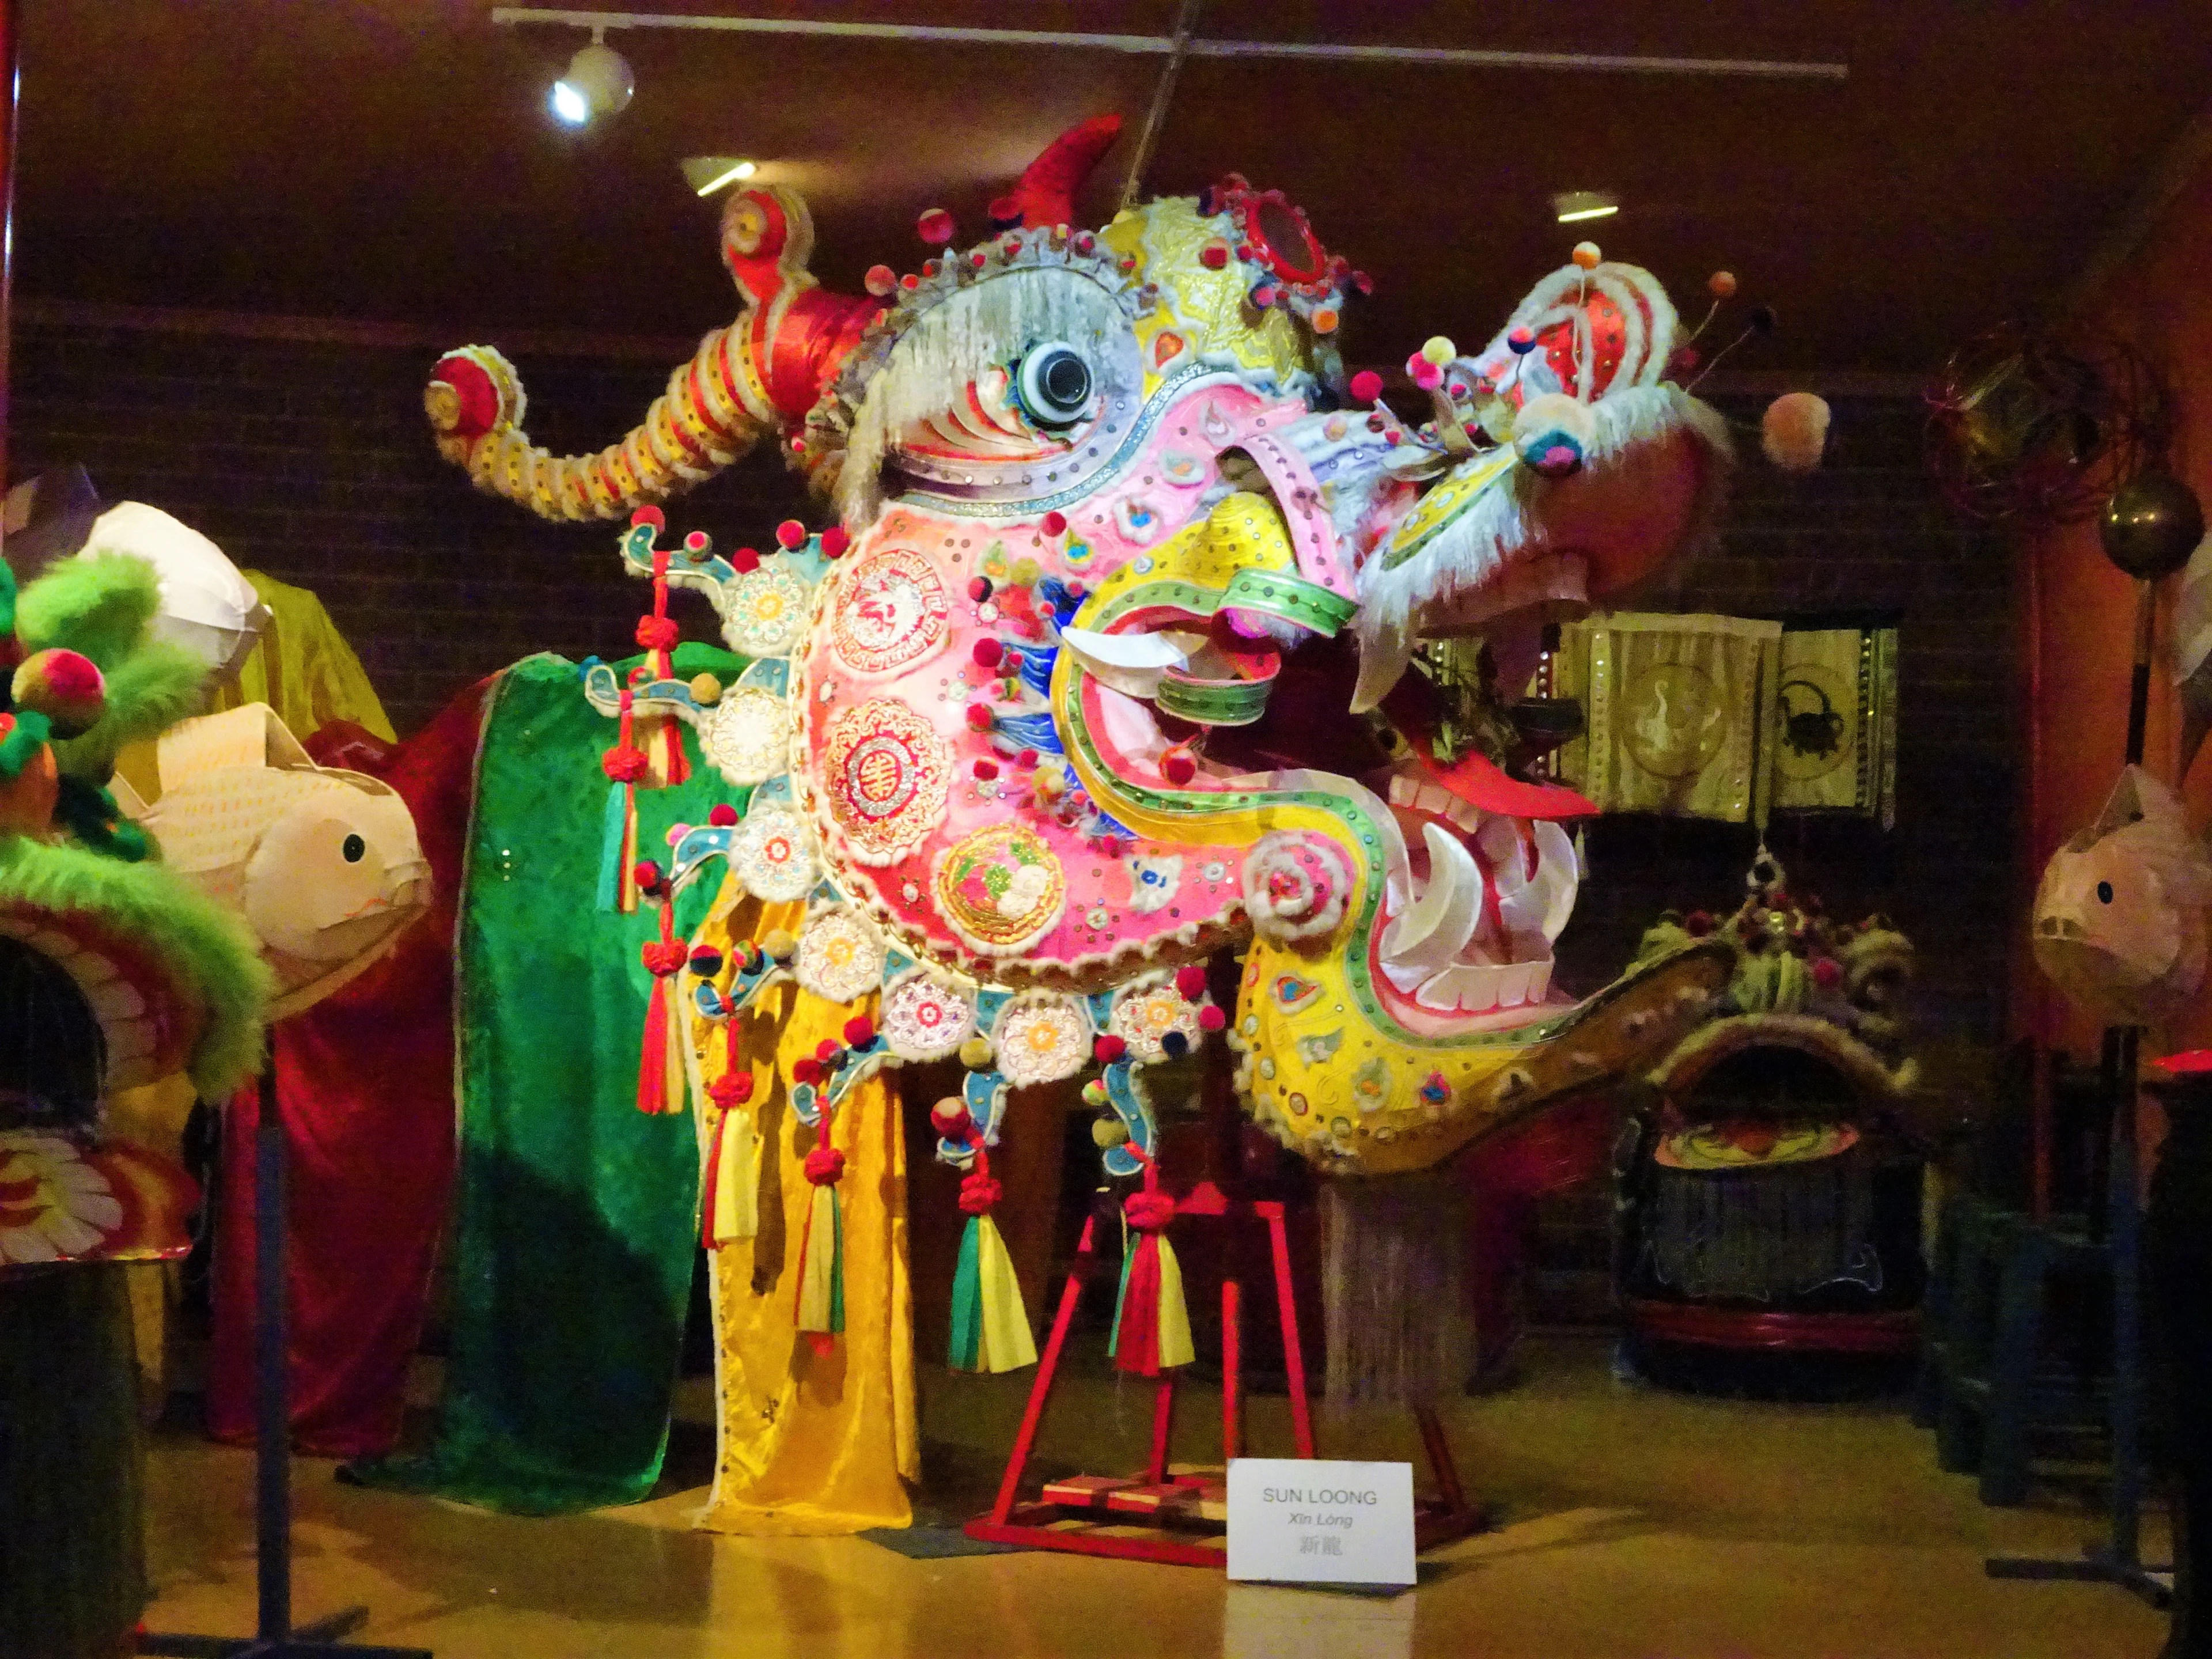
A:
x: 1179, y: 1519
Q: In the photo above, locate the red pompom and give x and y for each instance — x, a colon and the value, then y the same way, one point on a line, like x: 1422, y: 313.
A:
x: 1215, y: 255
x: 706, y: 962
x: 645, y: 874
x: 1698, y: 923
x: 663, y: 956
x: 745, y: 560
x: 1108, y: 1049
x: 658, y: 632
x: 722, y: 815
x: 980, y: 718
x: 1054, y: 523
x: 1178, y: 765
x: 731, y: 1088
x: 834, y: 540
x: 1211, y: 1019
x: 950, y: 1118
x: 624, y: 765
x: 860, y: 1031
x: 881, y: 281
x: 979, y: 1195
x: 1366, y: 386
x: 1006, y: 212
x: 987, y: 770
x: 824, y: 1164
x: 1190, y: 979
x: 826, y: 1050
x: 988, y: 653
x: 1827, y: 973
x: 1149, y: 1210
x: 1026, y: 758
x: 979, y: 589
x: 935, y: 227
x: 791, y: 535
x: 807, y: 1069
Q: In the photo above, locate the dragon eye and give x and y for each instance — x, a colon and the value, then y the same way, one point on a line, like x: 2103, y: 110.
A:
x: 354, y: 849
x: 2104, y: 892
x: 1052, y: 383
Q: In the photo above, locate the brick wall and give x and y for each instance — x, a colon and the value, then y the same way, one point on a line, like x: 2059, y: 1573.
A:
x: 309, y: 459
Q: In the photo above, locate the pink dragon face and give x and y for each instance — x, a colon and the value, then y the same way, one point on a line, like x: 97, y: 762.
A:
x: 1079, y: 700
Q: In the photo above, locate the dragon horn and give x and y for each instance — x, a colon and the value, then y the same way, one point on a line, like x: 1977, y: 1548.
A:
x: 1046, y: 193
x: 755, y: 374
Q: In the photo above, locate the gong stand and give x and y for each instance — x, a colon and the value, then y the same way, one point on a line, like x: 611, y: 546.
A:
x: 2118, y: 1558
x: 274, y: 1637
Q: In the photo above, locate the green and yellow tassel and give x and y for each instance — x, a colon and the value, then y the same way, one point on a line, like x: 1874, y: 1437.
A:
x: 990, y: 1326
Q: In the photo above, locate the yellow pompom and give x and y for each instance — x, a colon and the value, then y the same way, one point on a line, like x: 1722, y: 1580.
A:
x: 1438, y: 349
x: 1108, y: 1133
x: 975, y: 1053
x: 705, y: 690
x: 1050, y: 782
x: 1721, y: 284
x: 1587, y: 256
x: 1026, y: 572
x: 779, y: 945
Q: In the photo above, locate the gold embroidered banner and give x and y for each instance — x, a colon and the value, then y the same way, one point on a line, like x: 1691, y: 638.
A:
x: 1835, y: 748
x: 1679, y: 710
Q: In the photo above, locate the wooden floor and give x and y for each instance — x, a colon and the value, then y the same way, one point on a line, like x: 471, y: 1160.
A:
x: 1633, y: 1524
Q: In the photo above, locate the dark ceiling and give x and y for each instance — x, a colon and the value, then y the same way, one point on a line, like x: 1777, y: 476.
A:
x: 391, y: 160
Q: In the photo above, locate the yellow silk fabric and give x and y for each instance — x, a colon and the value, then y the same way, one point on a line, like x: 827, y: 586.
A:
x: 303, y: 668
x: 811, y: 1444
x: 153, y: 1116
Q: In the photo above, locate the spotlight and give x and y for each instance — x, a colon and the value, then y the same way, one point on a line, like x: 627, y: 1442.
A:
x: 1573, y: 206
x: 708, y: 174
x: 599, y: 82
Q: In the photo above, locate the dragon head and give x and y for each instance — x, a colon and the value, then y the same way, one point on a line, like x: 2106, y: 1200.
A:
x: 1107, y: 665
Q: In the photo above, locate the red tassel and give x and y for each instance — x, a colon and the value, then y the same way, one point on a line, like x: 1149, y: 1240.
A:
x: 1138, y: 1310
x: 711, y: 1186
x: 652, y: 1066
x: 664, y: 959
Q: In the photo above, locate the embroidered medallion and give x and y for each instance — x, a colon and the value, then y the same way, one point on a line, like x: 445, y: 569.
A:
x: 1147, y: 1011
x: 765, y: 612
x: 747, y: 734
x: 1044, y: 1035
x: 926, y: 1018
x: 772, y: 855
x: 892, y: 612
x: 840, y: 957
x: 1001, y: 888
x: 887, y: 774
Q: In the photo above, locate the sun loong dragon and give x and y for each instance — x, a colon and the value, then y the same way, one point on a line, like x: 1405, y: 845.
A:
x: 1132, y: 644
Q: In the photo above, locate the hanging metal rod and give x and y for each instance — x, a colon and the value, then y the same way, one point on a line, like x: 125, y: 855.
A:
x: 1159, y: 46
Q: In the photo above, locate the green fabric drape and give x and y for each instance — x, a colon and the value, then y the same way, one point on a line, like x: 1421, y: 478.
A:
x: 577, y: 1217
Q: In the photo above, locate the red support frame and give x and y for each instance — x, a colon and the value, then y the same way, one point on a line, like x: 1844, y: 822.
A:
x: 1185, y: 1513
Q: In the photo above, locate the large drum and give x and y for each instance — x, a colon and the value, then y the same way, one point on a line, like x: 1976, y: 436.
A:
x: 1769, y: 1237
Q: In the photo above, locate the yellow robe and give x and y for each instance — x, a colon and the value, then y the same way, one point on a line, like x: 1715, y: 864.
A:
x: 811, y: 1443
